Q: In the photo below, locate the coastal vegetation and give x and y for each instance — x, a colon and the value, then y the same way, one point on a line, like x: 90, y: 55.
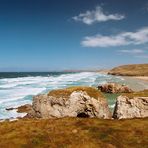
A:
x: 72, y: 132
x: 143, y: 93
x: 91, y: 91
x: 130, y: 70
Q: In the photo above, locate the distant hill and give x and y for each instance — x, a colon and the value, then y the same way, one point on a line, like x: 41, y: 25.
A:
x: 130, y: 70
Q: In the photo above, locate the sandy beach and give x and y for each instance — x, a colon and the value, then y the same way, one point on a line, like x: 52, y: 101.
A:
x: 145, y: 78
x: 137, y: 83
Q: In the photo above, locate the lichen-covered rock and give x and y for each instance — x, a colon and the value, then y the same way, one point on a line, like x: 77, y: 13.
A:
x: 71, y: 102
x: 114, y: 88
x: 131, y: 107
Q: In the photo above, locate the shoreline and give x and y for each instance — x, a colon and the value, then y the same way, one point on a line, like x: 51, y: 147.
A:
x: 144, y: 78
x: 136, y: 83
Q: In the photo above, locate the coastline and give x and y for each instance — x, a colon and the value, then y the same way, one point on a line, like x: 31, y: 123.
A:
x: 137, y: 83
x: 144, y: 78
x: 134, y: 82
x: 76, y: 129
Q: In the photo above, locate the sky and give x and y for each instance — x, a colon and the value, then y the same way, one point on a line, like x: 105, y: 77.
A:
x: 56, y: 35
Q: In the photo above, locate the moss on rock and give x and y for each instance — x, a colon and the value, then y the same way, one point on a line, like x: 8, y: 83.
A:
x: 92, y: 92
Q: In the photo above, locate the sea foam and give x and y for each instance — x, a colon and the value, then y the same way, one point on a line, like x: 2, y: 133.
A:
x: 19, y: 91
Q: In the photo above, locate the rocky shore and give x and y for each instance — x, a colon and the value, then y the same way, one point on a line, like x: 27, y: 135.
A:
x: 71, y: 102
x: 88, y: 102
x: 80, y: 116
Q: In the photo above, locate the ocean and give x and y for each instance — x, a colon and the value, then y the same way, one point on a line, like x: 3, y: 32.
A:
x: 18, y: 88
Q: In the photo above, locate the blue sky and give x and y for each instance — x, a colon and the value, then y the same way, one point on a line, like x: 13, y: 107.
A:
x: 48, y: 35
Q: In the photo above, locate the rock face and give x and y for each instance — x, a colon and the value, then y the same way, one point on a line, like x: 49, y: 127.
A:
x: 76, y: 103
x: 126, y: 107
x: 114, y: 88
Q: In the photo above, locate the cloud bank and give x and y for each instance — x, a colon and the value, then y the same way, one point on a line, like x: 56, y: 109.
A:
x: 124, y: 38
x: 97, y: 15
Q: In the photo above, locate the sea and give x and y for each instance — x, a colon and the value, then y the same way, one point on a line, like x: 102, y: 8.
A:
x: 18, y: 88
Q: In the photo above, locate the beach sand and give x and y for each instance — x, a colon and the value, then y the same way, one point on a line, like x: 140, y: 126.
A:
x: 145, y: 78
x: 136, y: 83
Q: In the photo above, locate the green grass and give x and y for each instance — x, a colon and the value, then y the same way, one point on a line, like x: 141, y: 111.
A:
x: 74, y: 132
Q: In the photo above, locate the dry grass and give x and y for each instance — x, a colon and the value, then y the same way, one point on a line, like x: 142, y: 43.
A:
x: 143, y: 93
x: 92, y: 92
x: 130, y: 70
x: 74, y: 132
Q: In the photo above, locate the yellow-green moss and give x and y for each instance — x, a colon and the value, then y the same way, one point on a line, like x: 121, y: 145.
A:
x: 92, y: 92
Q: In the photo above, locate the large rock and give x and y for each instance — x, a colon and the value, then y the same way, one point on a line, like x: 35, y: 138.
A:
x: 128, y: 106
x: 114, y: 88
x: 71, y: 102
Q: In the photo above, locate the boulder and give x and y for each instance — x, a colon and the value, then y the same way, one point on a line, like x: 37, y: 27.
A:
x: 27, y: 108
x: 71, y: 102
x: 114, y: 88
x: 131, y: 106
x: 24, y: 108
x: 21, y: 109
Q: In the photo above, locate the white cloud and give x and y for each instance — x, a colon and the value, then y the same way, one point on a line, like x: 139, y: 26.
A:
x: 97, y: 15
x: 132, y: 51
x: 142, y: 56
x: 137, y: 53
x: 124, y: 38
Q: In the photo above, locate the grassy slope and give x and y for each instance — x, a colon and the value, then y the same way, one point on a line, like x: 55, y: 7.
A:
x: 131, y: 70
x: 74, y: 132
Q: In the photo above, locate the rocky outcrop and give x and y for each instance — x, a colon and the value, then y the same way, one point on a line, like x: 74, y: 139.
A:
x: 114, y: 88
x: 131, y: 107
x: 71, y: 102
x: 21, y: 109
